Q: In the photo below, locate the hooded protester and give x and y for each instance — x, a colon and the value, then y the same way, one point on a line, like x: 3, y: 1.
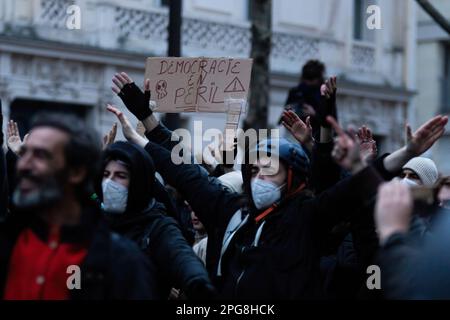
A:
x: 127, y: 190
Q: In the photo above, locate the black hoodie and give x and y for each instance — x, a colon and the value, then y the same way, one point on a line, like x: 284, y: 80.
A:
x: 145, y: 221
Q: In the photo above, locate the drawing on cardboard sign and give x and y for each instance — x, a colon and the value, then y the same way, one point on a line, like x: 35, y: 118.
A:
x: 235, y: 86
x: 161, y: 89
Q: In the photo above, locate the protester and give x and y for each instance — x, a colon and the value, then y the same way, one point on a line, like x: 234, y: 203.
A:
x: 410, y: 270
x: 127, y: 189
x: 419, y: 171
x: 55, y: 226
x: 258, y: 239
x: 305, y: 97
x: 443, y: 192
x: 300, y: 219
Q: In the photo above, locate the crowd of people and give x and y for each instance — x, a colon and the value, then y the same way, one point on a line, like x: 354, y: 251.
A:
x: 132, y: 224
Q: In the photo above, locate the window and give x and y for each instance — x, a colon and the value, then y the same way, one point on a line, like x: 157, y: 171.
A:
x: 360, y: 15
x: 164, y: 3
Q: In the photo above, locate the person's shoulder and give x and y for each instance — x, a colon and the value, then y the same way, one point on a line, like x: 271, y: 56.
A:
x: 124, y: 247
x: 127, y: 254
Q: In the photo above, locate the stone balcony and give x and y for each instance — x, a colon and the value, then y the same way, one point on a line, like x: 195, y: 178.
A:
x: 108, y: 26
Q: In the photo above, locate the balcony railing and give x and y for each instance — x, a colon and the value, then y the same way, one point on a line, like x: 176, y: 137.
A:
x: 109, y: 26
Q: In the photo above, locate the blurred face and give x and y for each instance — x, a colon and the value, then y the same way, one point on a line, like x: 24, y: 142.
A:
x: 42, y: 176
x: 312, y: 82
x: 198, y: 226
x: 267, y: 169
x: 444, y: 195
x: 411, y: 175
x: 117, y: 172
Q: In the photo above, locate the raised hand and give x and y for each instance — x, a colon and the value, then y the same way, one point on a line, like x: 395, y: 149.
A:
x: 300, y: 130
x: 140, y: 129
x: 128, y: 131
x: 327, y: 106
x: 109, y: 138
x: 136, y: 101
x: 424, y: 137
x: 393, y: 209
x: 346, y: 149
x: 367, y: 145
x: 328, y: 89
x: 416, y: 143
x: 14, y: 141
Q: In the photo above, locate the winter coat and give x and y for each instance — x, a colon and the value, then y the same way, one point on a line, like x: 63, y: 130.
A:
x: 114, y: 267
x: 277, y: 258
x: 146, y: 222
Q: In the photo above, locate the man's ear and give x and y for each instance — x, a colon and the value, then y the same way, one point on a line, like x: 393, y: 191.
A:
x: 77, y: 175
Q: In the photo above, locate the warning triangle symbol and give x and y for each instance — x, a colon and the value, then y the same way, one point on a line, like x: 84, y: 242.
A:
x: 235, y: 86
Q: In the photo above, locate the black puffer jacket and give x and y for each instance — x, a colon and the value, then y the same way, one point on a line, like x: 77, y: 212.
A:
x: 275, y: 259
x: 145, y: 221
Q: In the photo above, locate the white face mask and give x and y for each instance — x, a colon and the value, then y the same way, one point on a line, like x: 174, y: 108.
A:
x: 265, y: 193
x: 115, y: 196
x: 409, y: 182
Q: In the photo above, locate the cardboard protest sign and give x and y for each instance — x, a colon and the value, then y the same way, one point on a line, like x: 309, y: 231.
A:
x: 197, y: 84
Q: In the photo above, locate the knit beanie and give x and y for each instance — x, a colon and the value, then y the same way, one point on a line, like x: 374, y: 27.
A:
x: 232, y: 180
x: 424, y: 168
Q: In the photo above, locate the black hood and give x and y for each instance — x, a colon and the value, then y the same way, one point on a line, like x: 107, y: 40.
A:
x: 142, y: 174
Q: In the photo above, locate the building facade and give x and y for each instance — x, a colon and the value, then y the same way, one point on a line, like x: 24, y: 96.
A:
x: 433, y: 78
x: 45, y: 65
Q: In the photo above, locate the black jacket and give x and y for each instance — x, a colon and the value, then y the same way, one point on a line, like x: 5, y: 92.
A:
x: 114, y: 267
x: 415, y: 265
x: 145, y: 221
x: 284, y: 262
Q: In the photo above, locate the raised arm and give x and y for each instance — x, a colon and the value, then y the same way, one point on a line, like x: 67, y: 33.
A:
x: 416, y: 143
x: 340, y: 201
x: 211, y: 203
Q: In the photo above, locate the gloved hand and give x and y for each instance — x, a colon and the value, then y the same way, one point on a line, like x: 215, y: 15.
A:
x: 136, y: 101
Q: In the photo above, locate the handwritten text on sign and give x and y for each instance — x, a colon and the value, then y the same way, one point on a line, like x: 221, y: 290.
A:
x: 197, y: 84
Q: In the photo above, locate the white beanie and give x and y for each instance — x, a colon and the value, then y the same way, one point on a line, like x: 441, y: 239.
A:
x: 424, y: 168
x: 232, y: 180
